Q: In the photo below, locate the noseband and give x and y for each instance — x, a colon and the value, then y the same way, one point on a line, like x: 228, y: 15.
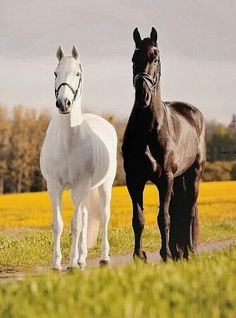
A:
x: 74, y: 91
x: 151, y: 82
x: 148, y: 79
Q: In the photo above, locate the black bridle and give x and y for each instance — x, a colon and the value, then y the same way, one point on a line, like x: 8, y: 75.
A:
x: 74, y: 91
x: 151, y: 82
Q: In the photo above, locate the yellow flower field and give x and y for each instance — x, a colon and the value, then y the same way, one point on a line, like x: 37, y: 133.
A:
x: 217, y: 202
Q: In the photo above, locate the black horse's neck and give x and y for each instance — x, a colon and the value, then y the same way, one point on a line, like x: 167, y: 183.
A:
x: 142, y: 121
x: 157, y: 107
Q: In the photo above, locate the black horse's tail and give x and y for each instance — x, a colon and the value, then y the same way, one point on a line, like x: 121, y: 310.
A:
x: 182, y: 237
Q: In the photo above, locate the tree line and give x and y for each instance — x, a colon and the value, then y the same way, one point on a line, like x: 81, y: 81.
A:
x: 21, y: 135
x: 22, y: 131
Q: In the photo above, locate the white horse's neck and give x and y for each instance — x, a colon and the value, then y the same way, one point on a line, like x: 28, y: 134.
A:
x: 76, y: 116
x: 66, y: 125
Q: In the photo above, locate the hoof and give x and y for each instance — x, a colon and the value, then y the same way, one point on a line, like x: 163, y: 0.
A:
x: 104, y: 263
x: 142, y: 257
x: 73, y: 269
x: 165, y: 255
x: 176, y: 257
x: 82, y: 265
x: 56, y: 268
x: 194, y: 251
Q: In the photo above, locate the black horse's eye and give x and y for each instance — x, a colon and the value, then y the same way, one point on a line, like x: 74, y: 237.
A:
x: 55, y: 74
x: 155, y: 61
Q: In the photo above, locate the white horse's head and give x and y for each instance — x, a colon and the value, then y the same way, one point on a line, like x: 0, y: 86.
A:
x: 68, y: 80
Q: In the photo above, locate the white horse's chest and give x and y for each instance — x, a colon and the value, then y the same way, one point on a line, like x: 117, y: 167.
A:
x: 72, y: 158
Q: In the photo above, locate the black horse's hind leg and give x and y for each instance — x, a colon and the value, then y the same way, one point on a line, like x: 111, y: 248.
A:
x: 136, y: 188
x: 192, y: 179
x: 176, y: 217
x: 173, y: 231
x: 165, y: 191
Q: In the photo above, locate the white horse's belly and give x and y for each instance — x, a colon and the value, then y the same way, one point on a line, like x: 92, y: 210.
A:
x: 89, y: 155
x: 106, y: 160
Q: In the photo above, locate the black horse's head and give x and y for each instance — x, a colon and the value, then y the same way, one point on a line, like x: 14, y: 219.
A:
x: 146, y: 66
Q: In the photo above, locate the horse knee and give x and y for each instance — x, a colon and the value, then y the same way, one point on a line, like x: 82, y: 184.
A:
x: 57, y: 227
x: 163, y: 220
x: 75, y: 226
x: 138, y: 220
x: 105, y: 213
x: 193, y: 212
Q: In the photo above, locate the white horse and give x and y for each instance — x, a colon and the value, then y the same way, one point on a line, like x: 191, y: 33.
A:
x: 79, y: 153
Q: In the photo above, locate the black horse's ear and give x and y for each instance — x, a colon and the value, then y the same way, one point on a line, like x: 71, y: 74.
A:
x: 153, y: 35
x: 59, y: 53
x: 137, y: 38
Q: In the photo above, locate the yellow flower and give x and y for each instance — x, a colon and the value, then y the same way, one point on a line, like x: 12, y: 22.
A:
x: 217, y: 202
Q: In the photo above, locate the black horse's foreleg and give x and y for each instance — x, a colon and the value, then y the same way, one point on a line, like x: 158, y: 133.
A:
x: 163, y: 219
x: 136, y: 193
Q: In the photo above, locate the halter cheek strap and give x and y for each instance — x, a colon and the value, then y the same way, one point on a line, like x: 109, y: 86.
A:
x: 151, y: 82
x: 74, y: 91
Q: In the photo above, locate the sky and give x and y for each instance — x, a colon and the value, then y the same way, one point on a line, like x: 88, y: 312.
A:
x: 197, y: 41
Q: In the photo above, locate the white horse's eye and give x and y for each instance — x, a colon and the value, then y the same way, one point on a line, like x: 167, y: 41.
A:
x: 55, y: 74
x: 78, y: 74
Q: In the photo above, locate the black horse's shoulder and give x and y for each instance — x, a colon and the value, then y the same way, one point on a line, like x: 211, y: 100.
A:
x: 181, y: 107
x: 185, y: 109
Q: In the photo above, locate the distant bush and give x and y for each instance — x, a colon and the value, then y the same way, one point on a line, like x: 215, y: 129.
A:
x: 220, y: 171
x: 233, y: 171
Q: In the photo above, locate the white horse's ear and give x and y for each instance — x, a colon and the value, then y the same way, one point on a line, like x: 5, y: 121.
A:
x: 75, y: 53
x: 60, y: 53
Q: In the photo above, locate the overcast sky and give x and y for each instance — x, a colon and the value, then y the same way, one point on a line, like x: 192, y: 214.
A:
x: 197, y: 40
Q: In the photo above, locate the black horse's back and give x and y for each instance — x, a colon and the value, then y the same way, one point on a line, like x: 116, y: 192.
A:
x: 189, y: 112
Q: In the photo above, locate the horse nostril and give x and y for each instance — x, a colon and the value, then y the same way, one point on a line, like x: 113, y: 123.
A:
x: 68, y: 103
x: 155, y: 52
x: 57, y: 103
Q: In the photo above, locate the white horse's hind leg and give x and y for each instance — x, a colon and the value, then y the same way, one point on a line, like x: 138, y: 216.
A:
x: 77, y: 222
x: 55, y: 192
x: 105, y: 201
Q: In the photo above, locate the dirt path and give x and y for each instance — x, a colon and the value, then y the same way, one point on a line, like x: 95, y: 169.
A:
x: 153, y: 257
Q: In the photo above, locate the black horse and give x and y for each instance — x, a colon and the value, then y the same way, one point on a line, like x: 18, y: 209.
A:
x: 164, y: 142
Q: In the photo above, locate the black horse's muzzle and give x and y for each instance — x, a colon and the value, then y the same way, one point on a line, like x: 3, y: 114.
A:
x: 145, y: 86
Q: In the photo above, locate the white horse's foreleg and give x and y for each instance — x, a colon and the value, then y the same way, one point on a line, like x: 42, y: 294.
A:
x: 105, y: 201
x: 55, y: 192
x: 77, y: 223
x: 83, y: 249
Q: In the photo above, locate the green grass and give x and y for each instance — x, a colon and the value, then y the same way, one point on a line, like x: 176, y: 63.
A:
x: 201, y: 287
x: 27, y: 248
